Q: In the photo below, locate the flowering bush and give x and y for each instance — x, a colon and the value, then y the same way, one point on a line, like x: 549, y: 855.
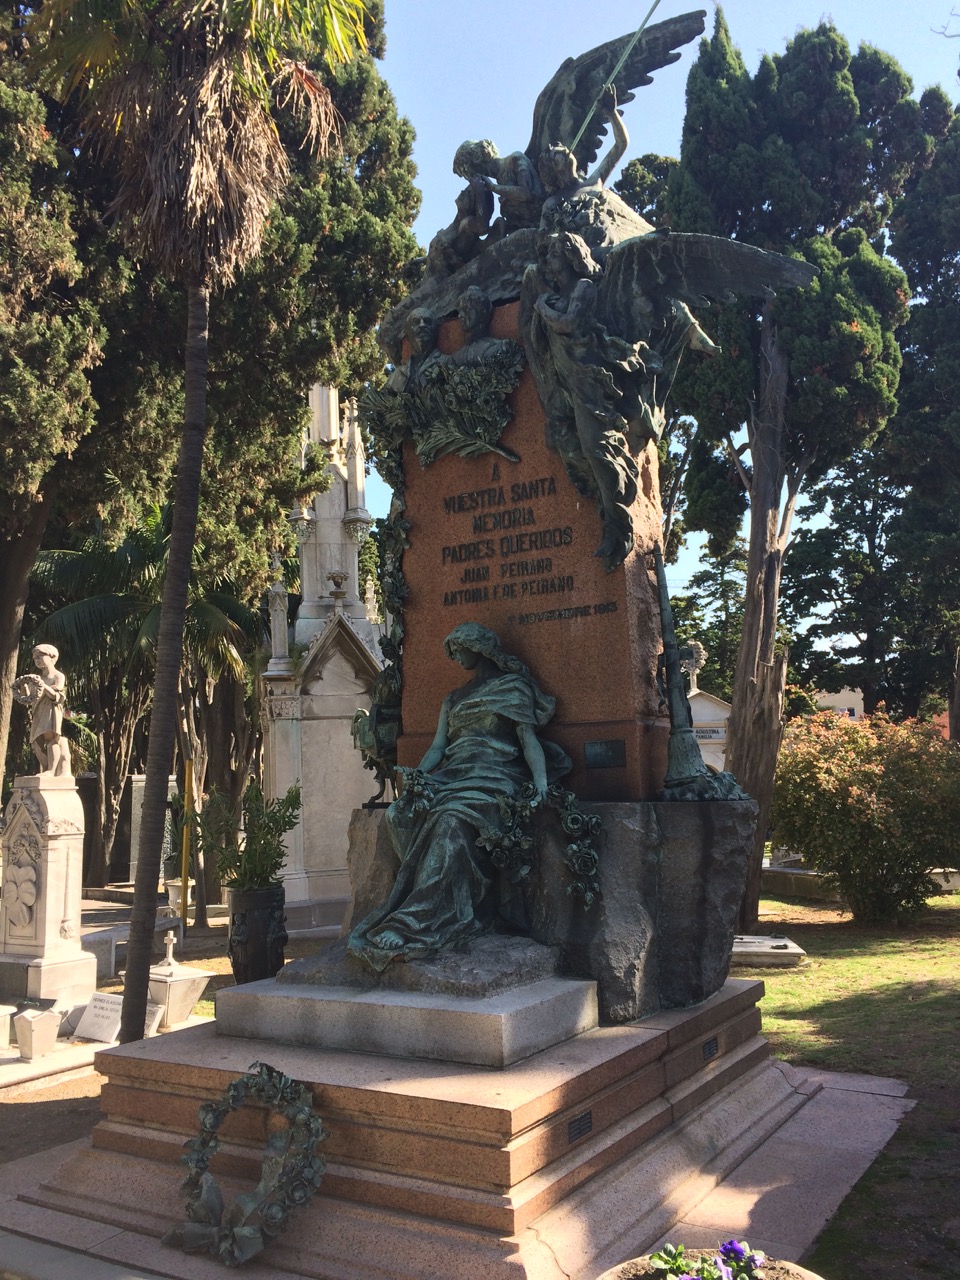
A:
x: 873, y: 805
x: 734, y: 1260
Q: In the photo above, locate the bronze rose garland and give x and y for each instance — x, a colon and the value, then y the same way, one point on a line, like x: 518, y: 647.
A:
x: 290, y: 1174
x: 510, y: 848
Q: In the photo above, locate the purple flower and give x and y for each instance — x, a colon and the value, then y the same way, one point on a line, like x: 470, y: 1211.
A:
x: 726, y: 1273
x: 733, y: 1250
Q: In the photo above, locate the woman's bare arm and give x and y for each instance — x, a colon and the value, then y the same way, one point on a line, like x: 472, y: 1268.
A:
x: 621, y: 140
x: 533, y: 754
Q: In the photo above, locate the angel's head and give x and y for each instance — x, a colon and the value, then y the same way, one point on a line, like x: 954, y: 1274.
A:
x: 558, y: 169
x: 475, y: 159
x: 561, y: 252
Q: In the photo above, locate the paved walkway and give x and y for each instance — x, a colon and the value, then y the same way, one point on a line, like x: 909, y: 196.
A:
x: 779, y: 1199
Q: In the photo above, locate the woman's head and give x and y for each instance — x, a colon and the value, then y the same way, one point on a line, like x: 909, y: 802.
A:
x: 472, y: 637
x: 560, y: 249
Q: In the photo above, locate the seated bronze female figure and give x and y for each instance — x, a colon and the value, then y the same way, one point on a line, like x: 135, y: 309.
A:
x: 486, y: 748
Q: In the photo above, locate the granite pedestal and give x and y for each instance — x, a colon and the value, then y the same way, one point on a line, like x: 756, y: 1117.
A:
x: 559, y: 1165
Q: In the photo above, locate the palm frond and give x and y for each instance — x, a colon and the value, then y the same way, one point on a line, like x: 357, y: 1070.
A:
x: 95, y: 631
x: 213, y: 640
x: 178, y: 97
x: 249, y: 622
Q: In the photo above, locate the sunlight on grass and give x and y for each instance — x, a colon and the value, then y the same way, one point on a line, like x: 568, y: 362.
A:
x: 885, y: 1002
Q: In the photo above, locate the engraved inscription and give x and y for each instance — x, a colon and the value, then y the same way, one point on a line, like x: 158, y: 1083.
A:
x: 506, y: 544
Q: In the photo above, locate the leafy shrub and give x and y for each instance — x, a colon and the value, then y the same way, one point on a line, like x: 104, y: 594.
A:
x: 872, y: 804
x: 254, y: 859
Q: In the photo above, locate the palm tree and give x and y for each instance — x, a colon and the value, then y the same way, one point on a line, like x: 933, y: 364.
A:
x: 107, y: 630
x: 176, y: 97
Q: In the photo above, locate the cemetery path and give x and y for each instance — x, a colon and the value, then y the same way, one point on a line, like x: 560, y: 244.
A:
x: 46, y: 1113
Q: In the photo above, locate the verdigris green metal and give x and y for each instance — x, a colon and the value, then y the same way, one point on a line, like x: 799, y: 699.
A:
x: 687, y: 777
x: 448, y: 404
x: 486, y: 750
x: 291, y: 1174
x: 605, y: 299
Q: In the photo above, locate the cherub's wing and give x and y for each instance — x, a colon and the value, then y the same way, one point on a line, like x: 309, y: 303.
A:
x: 692, y: 268
x: 575, y: 87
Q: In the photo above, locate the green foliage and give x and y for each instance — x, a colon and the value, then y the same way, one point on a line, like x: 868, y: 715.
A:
x: 643, y: 184
x: 876, y: 623
x: 711, y: 611
x: 874, y: 805
x: 883, y: 581
x: 734, y: 1260
x: 50, y: 330
x: 716, y: 500
x: 305, y: 311
x: 253, y: 859
x: 805, y: 157
x: 798, y: 701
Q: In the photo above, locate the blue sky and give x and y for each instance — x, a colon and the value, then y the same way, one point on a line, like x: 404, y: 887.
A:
x: 461, y: 70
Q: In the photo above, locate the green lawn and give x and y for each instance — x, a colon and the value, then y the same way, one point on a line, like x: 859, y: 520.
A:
x: 885, y: 1002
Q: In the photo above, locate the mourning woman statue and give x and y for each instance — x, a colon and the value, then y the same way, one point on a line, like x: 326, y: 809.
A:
x: 486, y: 749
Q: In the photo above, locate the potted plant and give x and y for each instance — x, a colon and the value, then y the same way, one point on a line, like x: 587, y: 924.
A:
x: 249, y: 863
x: 733, y: 1260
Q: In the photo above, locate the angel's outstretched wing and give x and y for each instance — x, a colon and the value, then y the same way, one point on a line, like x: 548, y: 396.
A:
x: 691, y: 268
x: 576, y: 86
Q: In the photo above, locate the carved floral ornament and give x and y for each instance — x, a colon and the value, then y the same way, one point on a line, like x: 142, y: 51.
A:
x: 21, y: 879
x: 280, y: 708
x: 30, y: 803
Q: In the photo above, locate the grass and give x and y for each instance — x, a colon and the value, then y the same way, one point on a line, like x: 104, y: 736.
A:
x: 885, y: 1002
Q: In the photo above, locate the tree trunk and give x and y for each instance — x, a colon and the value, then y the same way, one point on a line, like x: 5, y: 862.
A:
x: 118, y: 705
x: 193, y: 748
x: 231, y: 730
x: 763, y: 731
x: 953, y: 711
x: 756, y: 718
x: 163, y: 723
x: 17, y: 557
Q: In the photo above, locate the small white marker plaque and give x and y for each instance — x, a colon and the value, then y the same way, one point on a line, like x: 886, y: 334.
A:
x: 100, y: 1019
x: 153, y: 1019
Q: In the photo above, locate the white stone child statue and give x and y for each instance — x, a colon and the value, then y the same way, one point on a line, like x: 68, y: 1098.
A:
x: 45, y: 695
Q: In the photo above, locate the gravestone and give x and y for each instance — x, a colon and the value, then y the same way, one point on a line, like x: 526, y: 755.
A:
x: 40, y: 949
x: 100, y: 1020
x: 532, y: 367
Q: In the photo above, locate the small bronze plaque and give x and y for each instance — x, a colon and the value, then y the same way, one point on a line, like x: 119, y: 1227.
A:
x: 611, y: 754
x: 579, y: 1126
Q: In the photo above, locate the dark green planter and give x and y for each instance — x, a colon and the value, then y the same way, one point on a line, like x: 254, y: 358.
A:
x: 258, y: 932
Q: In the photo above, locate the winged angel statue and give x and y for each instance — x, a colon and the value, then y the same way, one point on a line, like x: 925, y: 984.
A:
x: 605, y: 298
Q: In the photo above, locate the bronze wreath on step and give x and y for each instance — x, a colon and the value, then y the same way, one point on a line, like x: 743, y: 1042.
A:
x: 290, y: 1174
